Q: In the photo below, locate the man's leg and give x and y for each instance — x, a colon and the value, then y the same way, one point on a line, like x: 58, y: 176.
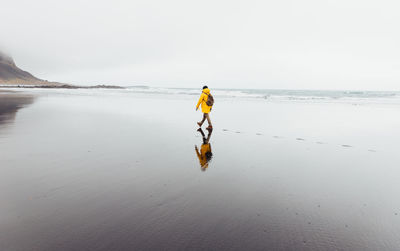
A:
x: 202, y: 121
x: 202, y: 133
x: 208, y: 136
x: 208, y: 119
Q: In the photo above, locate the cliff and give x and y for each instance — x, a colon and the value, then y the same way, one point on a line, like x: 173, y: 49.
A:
x: 11, y: 74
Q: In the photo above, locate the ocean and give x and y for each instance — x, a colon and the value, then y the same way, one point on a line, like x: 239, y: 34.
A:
x: 267, y: 95
x: 282, y: 95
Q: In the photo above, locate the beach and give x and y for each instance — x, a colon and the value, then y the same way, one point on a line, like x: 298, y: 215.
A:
x: 118, y: 170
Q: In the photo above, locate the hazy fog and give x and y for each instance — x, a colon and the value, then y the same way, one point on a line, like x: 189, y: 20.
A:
x: 350, y: 44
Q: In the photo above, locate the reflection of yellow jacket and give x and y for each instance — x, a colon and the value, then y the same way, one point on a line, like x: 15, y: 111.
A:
x: 205, y: 148
x: 202, y: 100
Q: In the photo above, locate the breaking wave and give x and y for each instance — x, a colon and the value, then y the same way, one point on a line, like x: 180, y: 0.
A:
x: 281, y: 95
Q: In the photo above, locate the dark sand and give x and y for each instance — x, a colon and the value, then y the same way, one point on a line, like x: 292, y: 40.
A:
x: 10, y: 103
x: 83, y: 171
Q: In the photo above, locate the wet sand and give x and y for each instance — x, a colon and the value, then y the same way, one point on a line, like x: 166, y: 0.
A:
x: 10, y: 103
x: 107, y: 171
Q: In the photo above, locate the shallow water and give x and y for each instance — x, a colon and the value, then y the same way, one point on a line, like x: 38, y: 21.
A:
x: 112, y: 171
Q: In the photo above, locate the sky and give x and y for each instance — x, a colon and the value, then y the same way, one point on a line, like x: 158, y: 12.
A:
x: 308, y: 44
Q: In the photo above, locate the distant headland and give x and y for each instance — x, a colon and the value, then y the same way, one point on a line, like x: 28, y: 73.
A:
x: 12, y: 76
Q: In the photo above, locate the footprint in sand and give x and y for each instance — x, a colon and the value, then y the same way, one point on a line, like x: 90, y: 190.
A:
x: 346, y: 145
x: 238, y: 132
x: 258, y: 134
x: 300, y: 139
x: 277, y: 137
x: 319, y: 142
x: 225, y: 130
x: 372, y: 151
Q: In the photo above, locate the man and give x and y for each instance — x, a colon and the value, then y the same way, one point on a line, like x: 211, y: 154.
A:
x: 206, y: 109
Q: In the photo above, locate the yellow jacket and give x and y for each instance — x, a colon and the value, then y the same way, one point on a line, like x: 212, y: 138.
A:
x: 202, y: 100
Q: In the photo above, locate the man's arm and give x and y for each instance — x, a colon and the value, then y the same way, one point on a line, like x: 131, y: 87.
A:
x: 200, y: 100
x: 197, y: 152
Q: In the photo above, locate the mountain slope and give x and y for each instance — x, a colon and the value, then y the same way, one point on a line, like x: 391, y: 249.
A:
x: 11, y: 74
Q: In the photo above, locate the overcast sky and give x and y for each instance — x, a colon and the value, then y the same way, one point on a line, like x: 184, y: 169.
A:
x: 349, y: 44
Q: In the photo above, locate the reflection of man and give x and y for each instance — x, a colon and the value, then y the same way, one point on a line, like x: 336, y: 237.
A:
x: 205, y: 153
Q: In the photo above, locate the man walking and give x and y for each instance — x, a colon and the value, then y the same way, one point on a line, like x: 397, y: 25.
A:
x: 206, y: 100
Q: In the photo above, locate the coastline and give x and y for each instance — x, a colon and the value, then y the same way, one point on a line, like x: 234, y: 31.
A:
x: 60, y: 86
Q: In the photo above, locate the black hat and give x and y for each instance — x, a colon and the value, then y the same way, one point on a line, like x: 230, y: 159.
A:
x: 204, y: 87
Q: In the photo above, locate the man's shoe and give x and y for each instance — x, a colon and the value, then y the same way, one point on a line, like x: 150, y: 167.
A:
x: 199, y: 124
x: 209, y: 128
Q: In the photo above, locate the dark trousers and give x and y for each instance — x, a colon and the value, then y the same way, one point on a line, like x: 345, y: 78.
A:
x: 206, y: 116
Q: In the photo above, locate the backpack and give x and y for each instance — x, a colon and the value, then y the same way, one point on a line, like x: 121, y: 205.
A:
x: 210, y: 100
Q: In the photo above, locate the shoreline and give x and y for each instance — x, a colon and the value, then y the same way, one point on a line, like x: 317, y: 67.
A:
x: 63, y: 86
